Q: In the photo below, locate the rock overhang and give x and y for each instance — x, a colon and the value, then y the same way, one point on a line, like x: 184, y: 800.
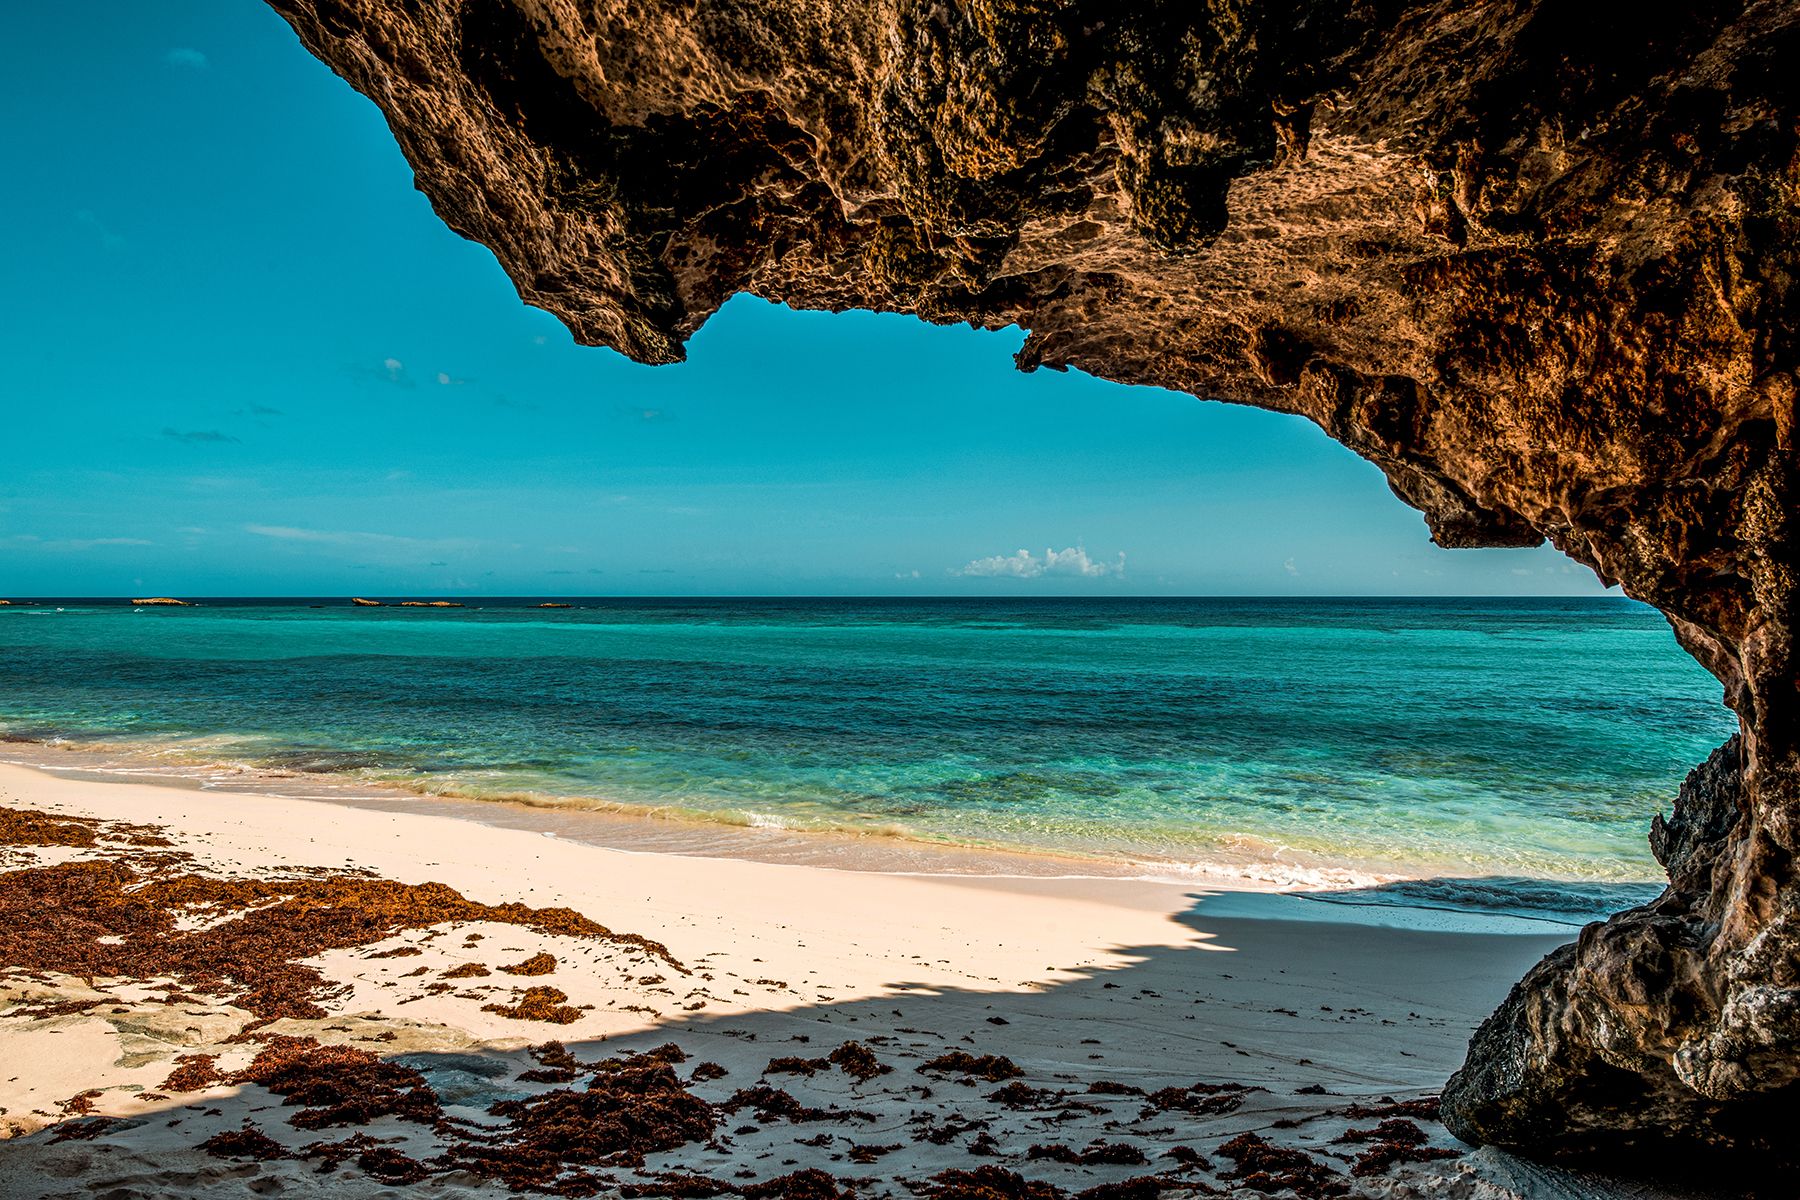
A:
x: 1535, y: 261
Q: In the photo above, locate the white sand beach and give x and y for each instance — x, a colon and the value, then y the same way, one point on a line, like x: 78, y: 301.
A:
x: 1310, y: 1009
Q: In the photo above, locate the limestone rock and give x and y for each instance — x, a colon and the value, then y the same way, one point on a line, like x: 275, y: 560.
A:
x: 1537, y: 261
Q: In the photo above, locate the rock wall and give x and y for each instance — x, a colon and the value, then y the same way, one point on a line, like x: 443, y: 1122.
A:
x: 1535, y: 260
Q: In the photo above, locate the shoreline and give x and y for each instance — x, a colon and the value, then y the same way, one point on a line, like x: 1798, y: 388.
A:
x: 645, y: 829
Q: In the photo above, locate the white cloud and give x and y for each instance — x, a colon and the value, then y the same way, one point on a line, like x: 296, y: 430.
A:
x: 334, y: 537
x: 379, y: 545
x: 1023, y: 564
x: 76, y: 545
x: 187, y: 57
x: 1290, y: 568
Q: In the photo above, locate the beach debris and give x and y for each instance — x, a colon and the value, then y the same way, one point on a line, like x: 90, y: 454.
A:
x: 810, y: 1184
x: 391, y: 1166
x: 339, y: 1085
x: 81, y: 1103
x: 775, y: 1104
x: 858, y: 1061
x: 991, y: 1067
x: 1111, y: 1087
x: 1395, y: 1140
x: 1262, y: 1166
x: 538, y: 1004
x: 537, y: 964
x: 633, y: 1105
x: 193, y: 1073
x: 140, y: 912
x: 865, y: 1153
x: 988, y: 1183
x: 248, y: 1142
x: 1189, y: 1157
x: 29, y: 827
x: 1023, y: 1095
x: 796, y: 1066
x: 928, y: 1128
x: 1425, y: 1108
x: 556, y: 1064
x: 1142, y: 1187
x: 85, y: 1131
x: 678, y: 1184
x: 1201, y: 1099
x: 1097, y: 1153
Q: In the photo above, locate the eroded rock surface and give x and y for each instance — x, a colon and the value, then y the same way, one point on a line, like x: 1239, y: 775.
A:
x: 1535, y: 260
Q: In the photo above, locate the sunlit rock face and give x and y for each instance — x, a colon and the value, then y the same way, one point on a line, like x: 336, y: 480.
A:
x: 1536, y: 261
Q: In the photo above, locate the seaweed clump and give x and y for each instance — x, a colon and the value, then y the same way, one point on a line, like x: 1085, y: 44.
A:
x: 1265, y: 1167
x: 858, y: 1061
x: 248, y: 1142
x: 633, y: 1106
x: 1396, y: 1140
x: 537, y: 964
x: 340, y: 1085
x: 1099, y: 1153
x: 991, y: 1067
x: 1201, y: 1099
x: 538, y: 1004
x: 988, y: 1183
x: 29, y: 827
x: 193, y: 1073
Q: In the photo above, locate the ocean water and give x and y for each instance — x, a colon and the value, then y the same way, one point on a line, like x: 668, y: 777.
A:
x: 1290, y: 740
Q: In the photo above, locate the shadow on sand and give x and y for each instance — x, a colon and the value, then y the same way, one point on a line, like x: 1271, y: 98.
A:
x: 1294, y: 1021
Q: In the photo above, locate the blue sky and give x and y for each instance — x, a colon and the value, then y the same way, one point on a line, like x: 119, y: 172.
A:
x: 244, y: 357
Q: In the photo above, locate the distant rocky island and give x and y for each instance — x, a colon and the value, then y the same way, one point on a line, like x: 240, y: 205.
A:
x: 162, y: 601
x: 364, y: 602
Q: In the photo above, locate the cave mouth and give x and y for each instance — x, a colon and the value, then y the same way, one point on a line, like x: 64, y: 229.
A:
x: 1540, y: 275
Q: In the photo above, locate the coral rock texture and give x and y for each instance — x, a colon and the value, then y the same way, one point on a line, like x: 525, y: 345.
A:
x: 1535, y: 260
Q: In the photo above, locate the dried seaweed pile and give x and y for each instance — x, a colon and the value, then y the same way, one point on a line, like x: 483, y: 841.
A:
x: 26, y: 827
x: 632, y: 1105
x: 132, y: 912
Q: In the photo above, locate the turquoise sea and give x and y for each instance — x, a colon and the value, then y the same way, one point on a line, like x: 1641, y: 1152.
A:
x: 1291, y: 740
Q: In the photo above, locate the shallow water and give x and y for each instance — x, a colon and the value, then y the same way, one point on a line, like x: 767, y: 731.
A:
x: 1289, y: 740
